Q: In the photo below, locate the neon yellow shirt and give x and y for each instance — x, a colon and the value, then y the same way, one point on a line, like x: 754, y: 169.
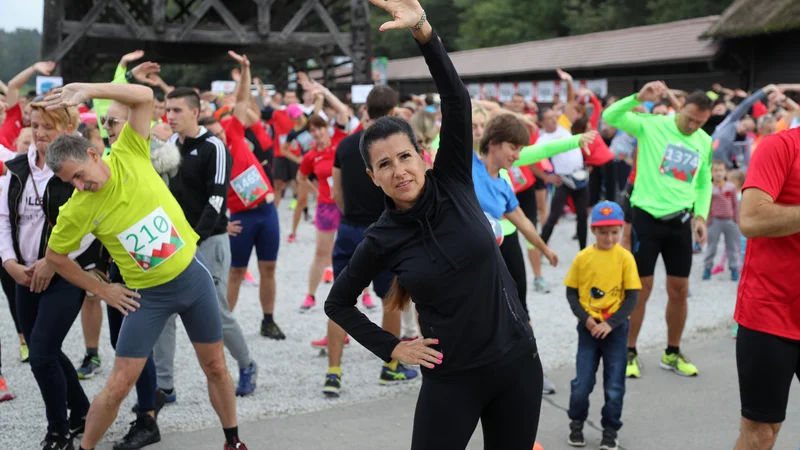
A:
x: 673, y: 171
x: 134, y: 215
x: 601, y: 278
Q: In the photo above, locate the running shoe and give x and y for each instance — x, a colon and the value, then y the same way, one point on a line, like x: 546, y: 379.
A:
x: 323, y: 343
x: 293, y: 204
x: 333, y: 384
x: 172, y: 396
x: 327, y: 277
x: 609, y: 441
x: 401, y: 374
x: 706, y: 274
x: 24, y: 355
x: 576, y: 438
x: 77, y: 426
x: 89, y: 367
x: 292, y: 237
x: 55, y: 441
x: 548, y: 388
x: 306, y: 216
x: 697, y: 249
x: 634, y: 369
x: 144, y: 431
x: 734, y: 275
x: 237, y: 446
x: 540, y: 285
x: 678, y: 364
x: 272, y: 331
x: 367, y: 300
x: 717, y: 269
x: 249, y: 279
x: 5, y: 395
x: 309, y: 303
x: 735, y: 331
x: 247, y: 380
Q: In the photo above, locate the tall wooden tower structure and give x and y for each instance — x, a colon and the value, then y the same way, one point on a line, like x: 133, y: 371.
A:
x: 82, y: 34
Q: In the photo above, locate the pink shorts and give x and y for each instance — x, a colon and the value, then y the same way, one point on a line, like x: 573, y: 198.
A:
x: 327, y: 217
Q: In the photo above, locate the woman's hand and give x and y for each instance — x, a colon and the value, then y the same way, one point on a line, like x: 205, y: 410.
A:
x: 18, y: 272
x: 406, y: 13
x: 551, y: 256
x: 72, y: 94
x: 418, y: 352
x: 41, y: 274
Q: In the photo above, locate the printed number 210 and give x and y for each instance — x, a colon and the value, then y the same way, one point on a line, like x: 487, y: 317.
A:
x: 159, y: 223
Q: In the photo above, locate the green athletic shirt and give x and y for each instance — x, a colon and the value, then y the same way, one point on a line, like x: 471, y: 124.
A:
x: 533, y: 154
x: 673, y: 171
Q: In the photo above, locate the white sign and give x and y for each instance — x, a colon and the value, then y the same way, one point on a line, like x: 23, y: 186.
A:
x: 474, y: 90
x: 546, y: 91
x: 599, y: 87
x: 490, y: 91
x: 525, y: 89
x: 359, y: 93
x: 507, y: 91
x: 44, y: 84
x: 223, y: 87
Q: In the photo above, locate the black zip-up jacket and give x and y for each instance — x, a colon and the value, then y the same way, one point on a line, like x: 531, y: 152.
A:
x: 201, y: 184
x: 54, y: 196
x: 444, y: 253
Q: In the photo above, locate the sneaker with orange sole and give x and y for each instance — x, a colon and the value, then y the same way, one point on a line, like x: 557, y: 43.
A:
x: 4, y: 394
x: 327, y: 277
x: 367, y: 300
x: 323, y: 343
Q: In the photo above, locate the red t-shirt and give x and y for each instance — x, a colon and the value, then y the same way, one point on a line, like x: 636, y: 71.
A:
x: 599, y: 154
x: 261, y: 134
x: 769, y: 294
x: 321, y: 163
x: 282, y: 125
x: 249, y: 184
x: 12, y: 127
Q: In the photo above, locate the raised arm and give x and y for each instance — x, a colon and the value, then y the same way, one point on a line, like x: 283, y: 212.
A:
x: 537, y: 152
x: 242, y: 88
x: 744, y: 107
x: 454, y: 158
x: 16, y: 83
x: 139, y: 100
x: 619, y: 114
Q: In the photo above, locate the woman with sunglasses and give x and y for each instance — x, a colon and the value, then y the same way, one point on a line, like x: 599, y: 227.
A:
x: 436, y: 239
x: 47, y: 305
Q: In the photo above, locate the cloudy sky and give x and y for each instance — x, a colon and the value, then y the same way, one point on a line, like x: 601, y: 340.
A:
x: 24, y: 14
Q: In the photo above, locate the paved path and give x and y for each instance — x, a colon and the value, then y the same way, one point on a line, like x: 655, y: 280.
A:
x: 662, y: 411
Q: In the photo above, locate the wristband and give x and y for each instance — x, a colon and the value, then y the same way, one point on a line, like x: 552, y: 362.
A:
x: 421, y: 21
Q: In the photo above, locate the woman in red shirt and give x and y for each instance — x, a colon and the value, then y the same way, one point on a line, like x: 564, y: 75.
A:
x: 319, y: 161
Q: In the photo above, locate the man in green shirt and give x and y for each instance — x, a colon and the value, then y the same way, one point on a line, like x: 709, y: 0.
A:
x: 673, y: 184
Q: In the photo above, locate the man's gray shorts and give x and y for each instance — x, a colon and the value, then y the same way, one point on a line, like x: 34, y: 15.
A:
x: 191, y: 295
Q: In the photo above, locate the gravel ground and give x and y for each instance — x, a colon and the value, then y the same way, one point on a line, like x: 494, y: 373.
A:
x: 292, y: 372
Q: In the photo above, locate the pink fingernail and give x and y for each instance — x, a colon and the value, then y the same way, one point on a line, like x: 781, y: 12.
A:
x: 440, y: 361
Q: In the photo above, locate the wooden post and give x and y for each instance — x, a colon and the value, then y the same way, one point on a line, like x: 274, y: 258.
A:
x: 51, y: 27
x: 360, y: 42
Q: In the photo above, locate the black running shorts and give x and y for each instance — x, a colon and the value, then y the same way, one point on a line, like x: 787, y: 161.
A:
x: 671, y: 239
x: 766, y: 364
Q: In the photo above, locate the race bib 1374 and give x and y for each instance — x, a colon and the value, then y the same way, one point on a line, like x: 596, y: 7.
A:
x: 152, y: 240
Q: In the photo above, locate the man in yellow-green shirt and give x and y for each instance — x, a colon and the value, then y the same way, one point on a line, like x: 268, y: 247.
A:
x: 126, y: 205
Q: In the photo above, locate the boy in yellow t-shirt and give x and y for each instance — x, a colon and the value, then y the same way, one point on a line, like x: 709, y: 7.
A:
x: 602, y: 290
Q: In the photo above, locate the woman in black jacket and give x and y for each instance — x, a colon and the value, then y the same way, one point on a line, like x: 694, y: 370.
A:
x: 479, y: 357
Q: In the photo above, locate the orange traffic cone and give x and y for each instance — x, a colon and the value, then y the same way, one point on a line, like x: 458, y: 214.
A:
x: 537, y: 446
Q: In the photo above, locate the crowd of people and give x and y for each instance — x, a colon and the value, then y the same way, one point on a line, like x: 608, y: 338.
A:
x: 152, y: 198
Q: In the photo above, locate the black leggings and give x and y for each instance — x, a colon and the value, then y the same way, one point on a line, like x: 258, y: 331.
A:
x: 507, y: 399
x: 603, y: 179
x: 581, y: 199
x: 512, y: 255
x: 10, y: 289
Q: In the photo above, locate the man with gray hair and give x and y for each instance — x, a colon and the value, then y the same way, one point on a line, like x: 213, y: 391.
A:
x: 124, y: 203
